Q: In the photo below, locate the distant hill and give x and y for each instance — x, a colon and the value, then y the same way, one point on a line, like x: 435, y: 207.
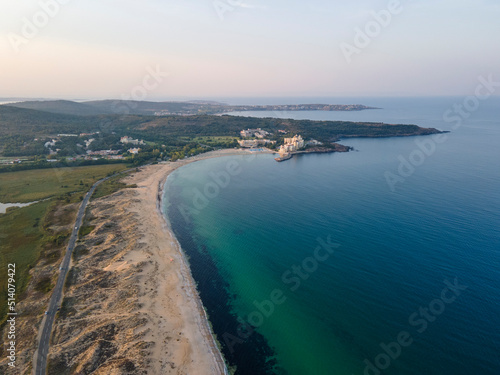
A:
x: 135, y: 107
x: 29, y: 122
x: 21, y: 121
x: 121, y: 107
x: 145, y: 108
x: 63, y: 107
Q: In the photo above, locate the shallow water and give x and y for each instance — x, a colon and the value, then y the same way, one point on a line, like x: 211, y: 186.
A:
x: 4, y: 206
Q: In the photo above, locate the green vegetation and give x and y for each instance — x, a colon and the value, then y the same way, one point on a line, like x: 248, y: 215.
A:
x: 216, y: 142
x: 38, y: 163
x: 35, y: 185
x: 67, y: 308
x: 44, y: 285
x: 58, y: 366
x: 19, y: 145
x: 26, y: 234
x: 30, y: 123
x: 21, y: 237
x: 63, y: 107
x: 78, y: 252
x: 86, y: 229
x: 188, y: 150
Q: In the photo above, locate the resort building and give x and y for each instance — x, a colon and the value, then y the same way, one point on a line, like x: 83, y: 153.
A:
x: 258, y: 133
x: 250, y: 143
x: 292, y: 144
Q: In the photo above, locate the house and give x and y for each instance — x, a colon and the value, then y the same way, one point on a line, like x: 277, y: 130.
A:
x: 52, y: 143
x: 134, y: 151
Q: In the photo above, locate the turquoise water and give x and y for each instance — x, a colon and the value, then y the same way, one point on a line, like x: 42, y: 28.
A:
x: 394, y: 249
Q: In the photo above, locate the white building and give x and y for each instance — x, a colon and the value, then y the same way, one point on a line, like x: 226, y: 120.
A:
x: 248, y: 143
x: 292, y: 144
x: 127, y: 140
x: 314, y: 142
x: 246, y: 133
x: 52, y: 143
x: 259, y: 133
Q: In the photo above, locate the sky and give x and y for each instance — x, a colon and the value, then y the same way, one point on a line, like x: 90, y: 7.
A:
x: 202, y: 49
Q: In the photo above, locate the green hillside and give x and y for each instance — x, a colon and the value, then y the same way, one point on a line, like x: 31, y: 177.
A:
x: 64, y: 107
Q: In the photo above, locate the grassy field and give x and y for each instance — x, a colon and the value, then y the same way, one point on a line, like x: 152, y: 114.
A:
x: 21, y: 233
x: 38, y: 184
x: 25, y: 233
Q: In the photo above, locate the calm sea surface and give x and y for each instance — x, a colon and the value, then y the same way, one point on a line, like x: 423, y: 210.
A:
x: 340, y: 263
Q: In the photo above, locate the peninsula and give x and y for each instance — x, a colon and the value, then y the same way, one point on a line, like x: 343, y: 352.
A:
x: 46, y: 137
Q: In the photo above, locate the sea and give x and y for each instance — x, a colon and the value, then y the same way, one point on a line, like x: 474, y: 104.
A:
x: 382, y: 260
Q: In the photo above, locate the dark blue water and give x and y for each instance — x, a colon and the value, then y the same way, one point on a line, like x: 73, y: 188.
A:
x: 340, y: 263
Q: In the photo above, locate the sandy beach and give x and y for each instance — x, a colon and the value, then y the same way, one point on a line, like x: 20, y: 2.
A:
x: 148, y: 309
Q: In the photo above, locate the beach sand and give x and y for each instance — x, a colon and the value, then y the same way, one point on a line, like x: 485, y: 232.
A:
x: 148, y: 310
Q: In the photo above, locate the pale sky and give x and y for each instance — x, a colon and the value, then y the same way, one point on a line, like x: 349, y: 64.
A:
x: 252, y: 48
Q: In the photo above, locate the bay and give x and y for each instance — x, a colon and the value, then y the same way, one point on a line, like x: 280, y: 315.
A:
x: 398, y: 246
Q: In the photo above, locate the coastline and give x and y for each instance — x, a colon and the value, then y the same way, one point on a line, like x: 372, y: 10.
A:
x: 201, y: 322
x: 130, y: 301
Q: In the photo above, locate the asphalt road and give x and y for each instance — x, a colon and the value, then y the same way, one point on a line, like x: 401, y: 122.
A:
x: 55, y: 300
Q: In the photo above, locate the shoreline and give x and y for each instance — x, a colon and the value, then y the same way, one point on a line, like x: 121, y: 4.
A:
x: 187, y: 282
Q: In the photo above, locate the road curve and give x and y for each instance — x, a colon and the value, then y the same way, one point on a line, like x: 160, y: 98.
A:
x: 40, y: 364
